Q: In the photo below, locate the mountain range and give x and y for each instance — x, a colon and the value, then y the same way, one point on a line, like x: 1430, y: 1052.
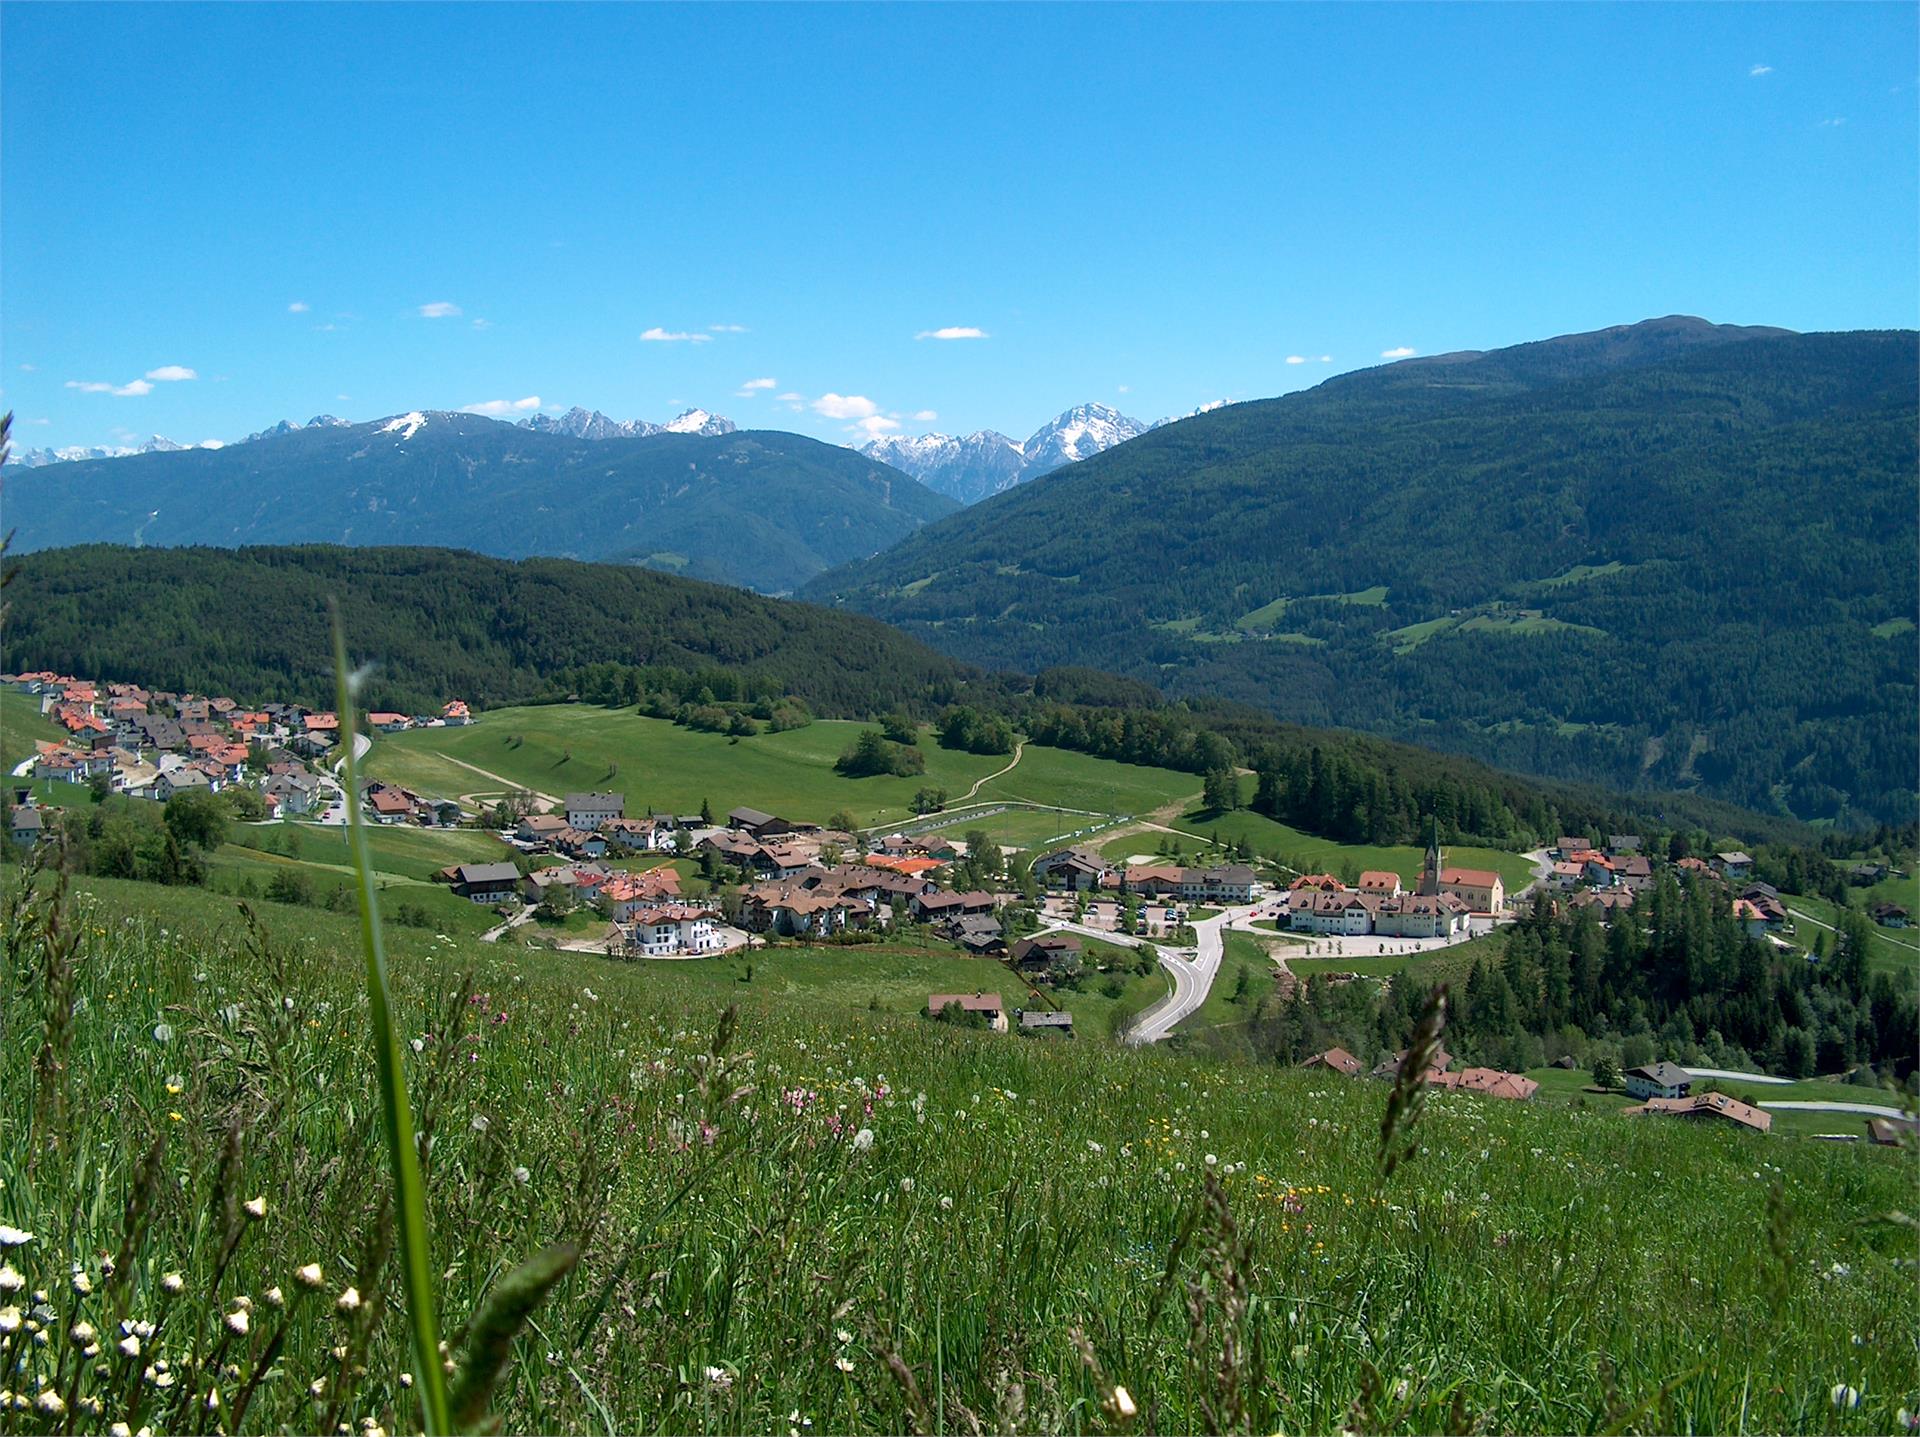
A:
x: 973, y: 466
x: 578, y: 423
x: 761, y: 509
x: 1671, y: 554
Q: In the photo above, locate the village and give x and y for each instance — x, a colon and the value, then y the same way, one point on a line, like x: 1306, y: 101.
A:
x: 662, y: 886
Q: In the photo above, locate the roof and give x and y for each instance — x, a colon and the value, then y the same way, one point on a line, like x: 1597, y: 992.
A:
x: 1338, y: 1059
x: 386, y: 718
x: 1734, y: 857
x: 903, y: 865
x: 596, y: 800
x: 1491, y: 1082
x: 1662, y: 1074
x: 969, y: 1002
x: 1046, y: 1018
x: 28, y: 818
x: 749, y: 817
x: 1375, y: 879
x: 1707, y: 1105
x: 484, y: 874
x: 1470, y: 877
x: 1048, y: 943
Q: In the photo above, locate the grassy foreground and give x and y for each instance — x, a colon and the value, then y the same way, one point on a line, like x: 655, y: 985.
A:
x: 851, y: 1220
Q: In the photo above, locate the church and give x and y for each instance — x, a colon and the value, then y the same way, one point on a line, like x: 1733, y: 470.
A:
x: 1479, y: 888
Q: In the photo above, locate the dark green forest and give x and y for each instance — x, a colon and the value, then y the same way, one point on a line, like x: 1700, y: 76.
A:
x: 1671, y: 556
x: 433, y: 624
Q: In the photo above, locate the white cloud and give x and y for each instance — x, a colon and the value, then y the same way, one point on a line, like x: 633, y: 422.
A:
x: 211, y: 444
x: 299, y: 306
x: 1835, y: 123
x: 789, y: 398
x: 440, y: 309
x: 1401, y: 352
x: 39, y: 421
x: 483, y: 324
x: 845, y: 406
x: 1126, y: 389
x: 873, y: 426
x: 727, y: 328
x: 924, y: 416
x: 125, y: 391
x: 1758, y: 70
x: 1326, y: 359
x: 953, y: 331
x: 747, y: 390
x: 171, y: 373
x: 29, y: 369
x: 1296, y: 359
x: 657, y: 335
x: 498, y: 407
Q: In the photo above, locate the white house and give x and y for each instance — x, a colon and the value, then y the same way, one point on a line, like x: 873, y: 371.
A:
x: 1658, y: 1080
x: 671, y: 929
x: 587, y: 811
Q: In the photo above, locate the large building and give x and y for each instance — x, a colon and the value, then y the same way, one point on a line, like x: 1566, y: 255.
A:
x: 1481, y: 889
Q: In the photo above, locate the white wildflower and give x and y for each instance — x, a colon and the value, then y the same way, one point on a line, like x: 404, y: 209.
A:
x: 946, y: 1204
x: 719, y: 1379
x: 906, y: 1185
x: 521, y: 1175
x: 130, y: 1345
x: 82, y: 1284
x: 14, y: 1236
x: 276, y: 1298
x: 173, y: 1284
x: 863, y: 1140
x: 50, y: 1402
x: 9, y: 1319
x: 1844, y: 1396
x: 347, y: 1301
x: 845, y: 1364
x: 10, y: 1279
x: 1122, y: 1403
x: 238, y: 1321
x: 255, y: 1207
x: 82, y: 1333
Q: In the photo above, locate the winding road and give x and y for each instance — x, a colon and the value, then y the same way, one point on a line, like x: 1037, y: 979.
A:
x: 1192, y: 976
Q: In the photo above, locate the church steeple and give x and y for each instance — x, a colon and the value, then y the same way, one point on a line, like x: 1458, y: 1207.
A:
x: 1435, y: 861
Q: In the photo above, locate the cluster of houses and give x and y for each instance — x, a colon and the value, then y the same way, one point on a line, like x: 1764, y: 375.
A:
x: 154, y: 743
x: 1489, y: 1082
x: 1448, y: 902
x: 1084, y: 869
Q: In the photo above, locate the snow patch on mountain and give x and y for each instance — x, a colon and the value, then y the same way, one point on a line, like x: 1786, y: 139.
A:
x: 967, y: 468
x: 405, y: 425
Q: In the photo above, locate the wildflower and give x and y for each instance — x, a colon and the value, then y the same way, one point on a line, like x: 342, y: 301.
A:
x: 238, y: 1321
x: 521, y: 1175
x: 863, y: 1140
x: 906, y: 1185
x: 418, y: 1045
x: 276, y: 1298
x: 1844, y: 1396
x: 50, y: 1402
x: 1120, y: 1404
x: 158, y: 1376
x: 406, y: 1379
x: 845, y: 1364
x: 1094, y: 1147
x: 946, y: 1204
x: 82, y: 1333
x: 9, y: 1320
x: 130, y: 1345
x: 1211, y: 1160
x: 317, y: 1388
x: 162, y: 1033
x: 173, y: 1284
x: 10, y: 1279
x: 173, y: 1116
x: 480, y: 1123
x: 719, y: 1379
x: 347, y: 1301
x: 255, y: 1207
x: 82, y: 1284
x: 309, y: 1276
x: 842, y: 1336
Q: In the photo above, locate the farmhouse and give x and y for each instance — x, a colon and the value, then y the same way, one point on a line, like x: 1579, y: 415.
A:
x: 1336, y: 1060
x: 486, y: 882
x: 1048, y: 956
x: 1735, y: 867
x: 1706, y: 1106
x: 1076, y: 868
x: 987, y: 1005
x: 588, y: 811
x: 27, y: 826
x: 1043, y: 1021
x: 1658, y: 1080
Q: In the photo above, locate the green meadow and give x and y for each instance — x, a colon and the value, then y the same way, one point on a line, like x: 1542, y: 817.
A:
x: 826, y: 1216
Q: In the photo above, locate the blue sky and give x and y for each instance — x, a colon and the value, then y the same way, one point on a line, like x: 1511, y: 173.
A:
x: 367, y: 209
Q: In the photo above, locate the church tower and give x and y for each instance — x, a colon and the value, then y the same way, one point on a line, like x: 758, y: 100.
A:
x: 1436, y: 860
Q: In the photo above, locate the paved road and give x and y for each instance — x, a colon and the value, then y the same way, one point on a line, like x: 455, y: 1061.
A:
x: 1733, y: 1073
x: 1192, y: 978
x: 1868, y: 1110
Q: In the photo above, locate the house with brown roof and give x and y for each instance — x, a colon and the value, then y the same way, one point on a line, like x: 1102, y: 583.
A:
x: 1079, y: 868
x: 1153, y: 879
x: 1389, y: 1068
x: 1481, y: 889
x: 986, y: 1005
x: 1378, y: 880
x: 1706, y: 1106
x: 1489, y: 1083
x: 1336, y: 1060
x: 1048, y: 956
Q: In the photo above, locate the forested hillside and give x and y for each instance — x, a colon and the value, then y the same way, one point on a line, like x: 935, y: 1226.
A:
x: 434, y: 624
x: 761, y: 509
x: 1672, y: 555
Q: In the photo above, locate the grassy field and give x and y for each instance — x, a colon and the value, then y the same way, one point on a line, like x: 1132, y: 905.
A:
x: 1890, y: 950
x: 21, y: 726
x: 569, y: 748
x: 1450, y: 964
x: 848, y: 1220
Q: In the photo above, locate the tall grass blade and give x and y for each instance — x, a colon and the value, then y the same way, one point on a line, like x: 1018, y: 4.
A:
x: 410, y: 1199
x: 502, y: 1315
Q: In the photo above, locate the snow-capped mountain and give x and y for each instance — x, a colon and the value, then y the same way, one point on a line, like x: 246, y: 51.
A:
x: 34, y: 458
x: 592, y: 424
x: 984, y: 463
x: 967, y: 469
x: 1082, y: 432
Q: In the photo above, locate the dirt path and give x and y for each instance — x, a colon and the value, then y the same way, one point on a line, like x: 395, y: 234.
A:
x: 1019, y: 748
x: 506, y: 783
